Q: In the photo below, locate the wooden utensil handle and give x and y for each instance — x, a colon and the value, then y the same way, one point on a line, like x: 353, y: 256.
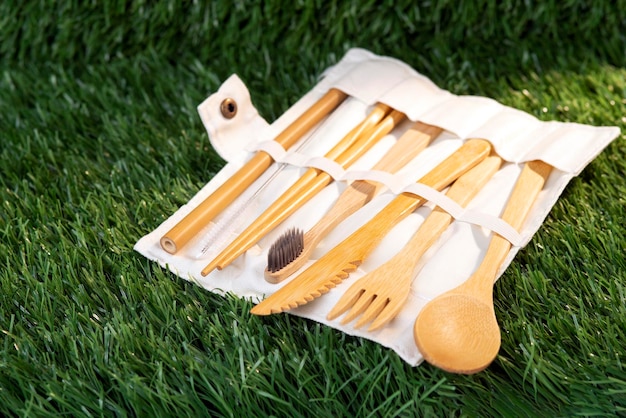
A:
x: 467, y: 156
x: 411, y: 143
x: 462, y: 191
x: 190, y: 225
x: 529, y: 183
x: 360, y: 192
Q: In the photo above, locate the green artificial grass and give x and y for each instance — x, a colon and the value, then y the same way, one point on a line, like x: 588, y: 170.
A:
x: 100, y: 142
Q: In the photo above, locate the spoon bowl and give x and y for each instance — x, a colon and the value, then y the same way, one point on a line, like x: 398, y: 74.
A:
x: 467, y: 342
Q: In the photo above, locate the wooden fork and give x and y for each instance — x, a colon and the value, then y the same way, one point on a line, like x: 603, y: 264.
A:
x: 380, y: 295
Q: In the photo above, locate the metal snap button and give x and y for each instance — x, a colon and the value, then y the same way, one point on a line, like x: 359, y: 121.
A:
x: 228, y: 108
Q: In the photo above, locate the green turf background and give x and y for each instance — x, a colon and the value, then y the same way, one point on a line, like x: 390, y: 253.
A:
x: 100, y: 142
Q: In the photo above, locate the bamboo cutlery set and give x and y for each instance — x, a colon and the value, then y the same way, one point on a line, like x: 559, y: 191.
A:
x: 309, y: 212
x: 457, y: 331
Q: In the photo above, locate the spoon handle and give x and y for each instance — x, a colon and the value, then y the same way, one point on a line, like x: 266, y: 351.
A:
x: 528, y: 185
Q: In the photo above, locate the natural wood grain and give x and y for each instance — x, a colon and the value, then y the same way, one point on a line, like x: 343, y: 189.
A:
x: 380, y: 295
x: 358, y: 193
x: 336, y: 265
x: 458, y: 330
x: 303, y: 190
x: 190, y: 225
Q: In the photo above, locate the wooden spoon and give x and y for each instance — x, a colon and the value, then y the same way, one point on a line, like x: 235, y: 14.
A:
x: 458, y: 331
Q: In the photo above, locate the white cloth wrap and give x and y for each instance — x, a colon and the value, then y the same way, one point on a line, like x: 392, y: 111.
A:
x: 367, y: 78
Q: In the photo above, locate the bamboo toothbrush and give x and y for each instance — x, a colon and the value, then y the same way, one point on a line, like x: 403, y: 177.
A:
x: 336, y: 265
x: 305, y: 188
x: 197, y: 219
x: 293, y: 249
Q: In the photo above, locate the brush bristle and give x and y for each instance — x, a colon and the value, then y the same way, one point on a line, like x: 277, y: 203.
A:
x: 285, y: 249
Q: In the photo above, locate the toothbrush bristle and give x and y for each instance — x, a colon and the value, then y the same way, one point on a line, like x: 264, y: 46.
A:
x: 285, y: 249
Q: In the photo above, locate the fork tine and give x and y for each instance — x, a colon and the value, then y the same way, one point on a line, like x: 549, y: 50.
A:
x: 390, y: 311
x: 345, y: 302
x: 359, y: 306
x: 372, y: 311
